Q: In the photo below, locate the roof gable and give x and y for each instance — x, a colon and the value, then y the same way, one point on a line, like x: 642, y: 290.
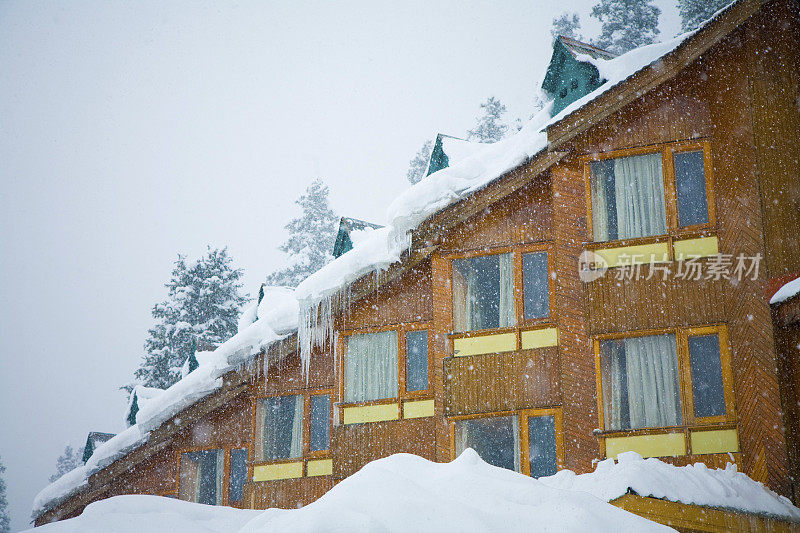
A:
x: 568, y: 78
x: 345, y: 235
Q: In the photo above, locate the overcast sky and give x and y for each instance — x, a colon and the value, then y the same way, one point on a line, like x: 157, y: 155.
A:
x: 131, y: 131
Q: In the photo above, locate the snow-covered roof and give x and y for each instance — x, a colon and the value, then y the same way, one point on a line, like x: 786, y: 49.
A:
x: 275, y: 318
x: 693, y: 484
x: 789, y: 290
x: 454, y: 148
x: 576, y: 48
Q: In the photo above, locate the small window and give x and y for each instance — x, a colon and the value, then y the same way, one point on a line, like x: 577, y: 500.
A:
x: 628, y: 197
x: 640, y: 381
x: 573, y: 84
x: 483, y: 292
x: 536, y: 286
x: 563, y: 92
x: 707, y: 385
x: 542, y: 444
x: 416, y: 361
x: 201, y: 476
x: 496, y: 440
x: 690, y: 182
x: 320, y: 422
x: 371, y: 367
x: 280, y: 428
x: 238, y: 474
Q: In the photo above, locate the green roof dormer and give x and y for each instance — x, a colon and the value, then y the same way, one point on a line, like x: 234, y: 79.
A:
x: 349, y: 229
x: 568, y: 79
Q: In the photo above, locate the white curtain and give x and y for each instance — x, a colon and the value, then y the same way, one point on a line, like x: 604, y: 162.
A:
x: 296, y: 446
x: 599, y: 203
x: 506, y: 305
x: 639, y: 188
x: 515, y: 426
x: 641, y: 383
x: 219, y: 474
x: 281, y: 428
x: 371, y: 366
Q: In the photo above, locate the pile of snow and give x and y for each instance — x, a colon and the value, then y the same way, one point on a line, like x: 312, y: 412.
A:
x: 399, y: 494
x: 693, y: 484
x: 280, y: 309
x: 790, y: 290
x: 142, y: 514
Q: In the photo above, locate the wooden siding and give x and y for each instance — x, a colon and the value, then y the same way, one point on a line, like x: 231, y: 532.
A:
x: 512, y: 381
x: 355, y: 445
x: 286, y: 493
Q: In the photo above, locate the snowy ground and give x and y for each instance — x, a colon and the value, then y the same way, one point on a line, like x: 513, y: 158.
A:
x: 400, y: 493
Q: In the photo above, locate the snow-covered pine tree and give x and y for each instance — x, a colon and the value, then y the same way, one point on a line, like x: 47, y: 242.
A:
x: 626, y: 24
x: 311, y: 237
x: 419, y: 164
x: 695, y: 12
x: 202, y: 307
x: 67, y: 461
x: 490, y: 127
x: 568, y: 25
x: 5, y: 518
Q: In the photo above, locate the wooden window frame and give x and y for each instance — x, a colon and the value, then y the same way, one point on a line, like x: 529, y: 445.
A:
x: 524, y: 437
x: 402, y: 394
x: 682, y: 335
x: 226, y: 470
x: 667, y: 151
x: 307, y: 454
x: 516, y: 252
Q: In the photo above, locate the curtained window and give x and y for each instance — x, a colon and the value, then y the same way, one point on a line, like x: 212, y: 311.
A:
x: 201, y: 476
x: 320, y: 422
x: 483, y: 292
x: 707, y: 384
x: 416, y: 360
x: 542, y: 445
x: 280, y: 428
x: 536, y: 285
x: 640, y: 382
x: 238, y: 475
x: 628, y: 197
x: 690, y: 184
x: 496, y: 439
x: 371, y: 367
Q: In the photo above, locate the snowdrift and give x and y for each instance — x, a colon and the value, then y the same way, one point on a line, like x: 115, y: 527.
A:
x: 400, y: 493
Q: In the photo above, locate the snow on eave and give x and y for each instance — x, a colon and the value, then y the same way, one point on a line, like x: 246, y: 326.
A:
x: 694, y: 484
x: 786, y: 292
x: 202, y: 382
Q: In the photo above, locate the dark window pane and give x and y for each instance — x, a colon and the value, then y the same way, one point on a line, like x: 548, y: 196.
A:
x: 709, y: 394
x: 320, y: 422
x: 483, y: 292
x: 282, y: 427
x: 416, y: 360
x: 238, y: 474
x: 690, y: 181
x: 535, y: 284
x: 542, y: 437
x: 495, y: 439
x: 201, y: 476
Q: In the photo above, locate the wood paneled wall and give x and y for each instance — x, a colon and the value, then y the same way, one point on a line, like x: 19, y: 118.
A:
x: 501, y: 382
x: 286, y: 493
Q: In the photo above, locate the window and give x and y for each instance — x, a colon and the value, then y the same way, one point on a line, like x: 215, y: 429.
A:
x: 371, y: 366
x: 636, y: 193
x: 201, y: 474
x: 668, y: 379
x: 536, y: 285
x: 496, y: 439
x: 416, y: 360
x: 280, y: 427
x: 483, y: 292
x: 542, y: 445
x: 690, y: 183
x: 525, y: 441
x: 320, y: 422
x: 238, y: 475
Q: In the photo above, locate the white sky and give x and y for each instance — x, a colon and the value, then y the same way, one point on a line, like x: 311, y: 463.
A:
x: 131, y: 131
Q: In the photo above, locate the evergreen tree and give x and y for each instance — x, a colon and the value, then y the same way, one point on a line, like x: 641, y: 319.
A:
x: 695, y: 12
x: 568, y: 25
x: 5, y: 518
x: 419, y: 164
x: 202, y: 306
x: 67, y: 461
x: 311, y: 237
x: 626, y: 24
x: 490, y: 127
